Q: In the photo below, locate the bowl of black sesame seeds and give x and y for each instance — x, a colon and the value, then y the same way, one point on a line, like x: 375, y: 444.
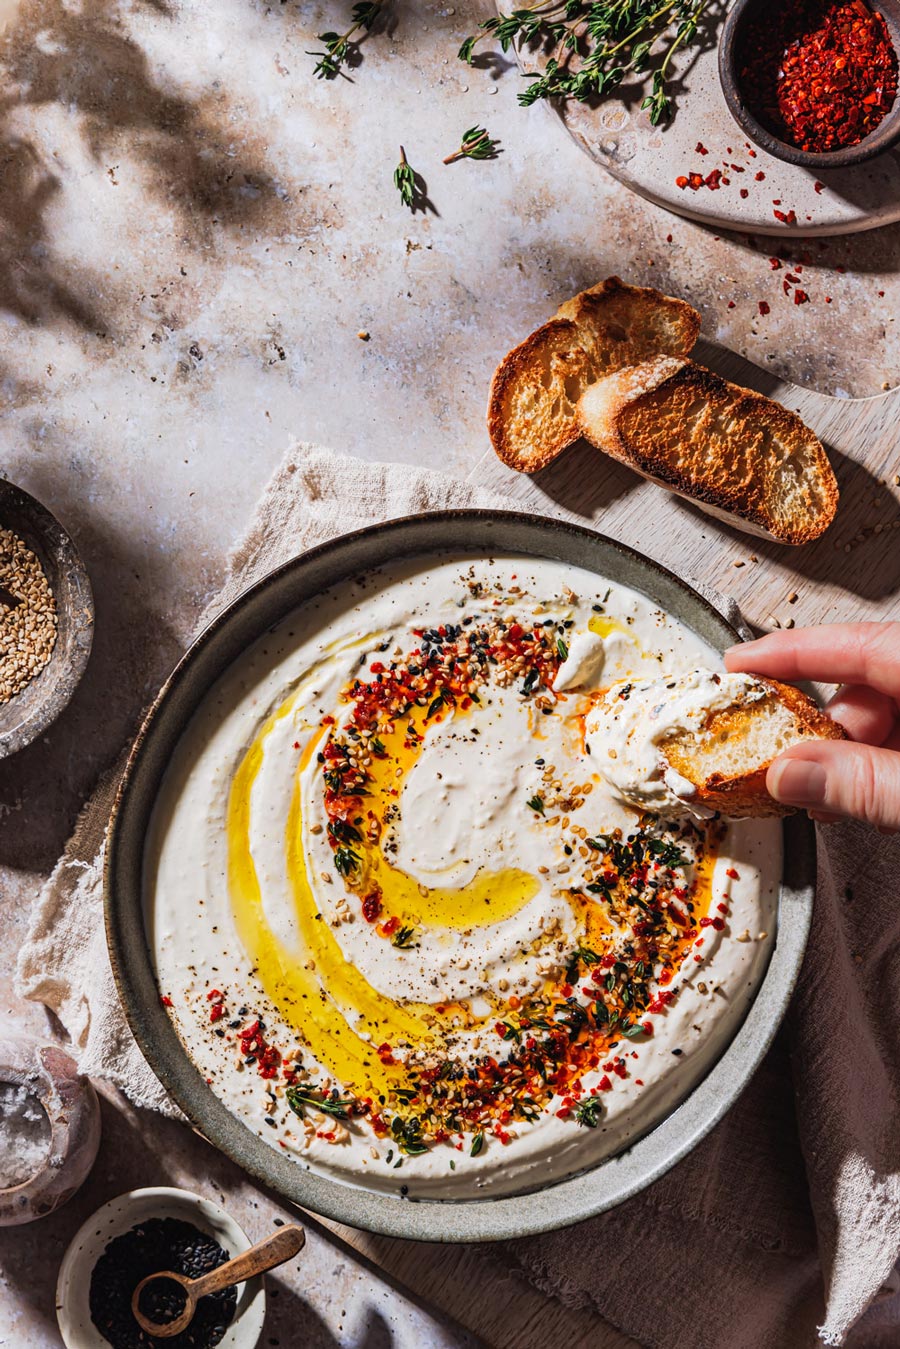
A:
x: 46, y: 618
x: 141, y: 1233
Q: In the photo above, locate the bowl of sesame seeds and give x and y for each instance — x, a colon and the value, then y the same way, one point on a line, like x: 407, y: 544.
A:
x: 46, y: 618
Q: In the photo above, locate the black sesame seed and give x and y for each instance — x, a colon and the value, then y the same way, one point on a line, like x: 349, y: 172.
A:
x: 159, y: 1243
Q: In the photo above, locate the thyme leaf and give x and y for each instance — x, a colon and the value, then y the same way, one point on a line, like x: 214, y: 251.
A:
x: 588, y: 1112
x: 300, y: 1101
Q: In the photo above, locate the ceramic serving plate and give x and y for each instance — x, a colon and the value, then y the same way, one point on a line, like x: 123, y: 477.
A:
x: 230, y: 635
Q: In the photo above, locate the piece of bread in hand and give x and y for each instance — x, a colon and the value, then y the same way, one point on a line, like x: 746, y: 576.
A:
x: 728, y: 758
x: 531, y: 412
x: 699, y: 742
x: 737, y: 454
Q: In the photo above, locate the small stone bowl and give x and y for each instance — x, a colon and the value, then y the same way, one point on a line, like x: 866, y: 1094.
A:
x: 32, y: 710
x: 120, y: 1215
x: 71, y: 1106
x: 885, y: 135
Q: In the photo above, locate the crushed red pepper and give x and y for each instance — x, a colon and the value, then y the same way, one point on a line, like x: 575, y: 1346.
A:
x: 819, y: 74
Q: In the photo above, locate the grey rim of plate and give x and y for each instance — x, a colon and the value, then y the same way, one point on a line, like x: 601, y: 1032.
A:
x: 232, y: 632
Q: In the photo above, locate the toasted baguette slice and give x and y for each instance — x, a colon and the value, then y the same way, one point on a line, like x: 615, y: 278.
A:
x: 531, y: 412
x: 737, y: 454
x: 699, y: 742
x: 727, y: 759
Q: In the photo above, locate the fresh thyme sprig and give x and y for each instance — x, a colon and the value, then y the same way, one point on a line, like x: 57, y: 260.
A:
x: 403, y: 938
x: 340, y: 46
x: 405, y: 181
x: 475, y: 144
x: 595, y: 44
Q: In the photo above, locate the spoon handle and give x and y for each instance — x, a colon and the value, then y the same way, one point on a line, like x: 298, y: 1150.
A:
x: 266, y: 1254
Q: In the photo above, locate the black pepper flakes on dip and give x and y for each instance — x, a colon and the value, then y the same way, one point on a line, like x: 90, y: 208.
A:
x: 152, y: 1246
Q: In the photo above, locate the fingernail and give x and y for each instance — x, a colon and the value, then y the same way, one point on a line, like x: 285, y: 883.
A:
x: 796, y: 782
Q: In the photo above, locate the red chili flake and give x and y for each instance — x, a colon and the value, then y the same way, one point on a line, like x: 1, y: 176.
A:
x: 800, y: 297
x: 820, y: 74
x: 647, y: 1027
x: 668, y: 238
x: 733, y: 874
x: 881, y: 295
x: 713, y: 179
x: 216, y: 1011
x: 605, y: 1084
x: 566, y: 990
x: 828, y: 299
x: 371, y: 907
x: 681, y: 181
x: 786, y: 217
x: 638, y: 1082
x: 723, y: 908
x: 819, y: 187
x: 296, y: 744
x: 794, y: 280
x: 738, y: 169
x: 751, y: 153
x: 764, y: 307
x: 700, y: 149
x: 775, y: 263
x: 744, y: 193
x: 726, y: 182
x: 165, y: 1000
x: 731, y: 304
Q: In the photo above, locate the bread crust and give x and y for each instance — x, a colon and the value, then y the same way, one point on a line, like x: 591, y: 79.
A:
x: 628, y: 416
x: 600, y: 330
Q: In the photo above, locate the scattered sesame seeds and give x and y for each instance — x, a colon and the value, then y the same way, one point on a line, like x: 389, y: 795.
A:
x: 28, y: 619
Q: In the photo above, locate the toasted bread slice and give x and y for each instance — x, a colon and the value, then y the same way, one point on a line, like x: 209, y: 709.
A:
x: 699, y: 742
x: 734, y: 452
x: 727, y: 759
x: 531, y: 412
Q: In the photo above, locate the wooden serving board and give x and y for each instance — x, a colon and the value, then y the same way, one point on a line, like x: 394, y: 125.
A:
x: 852, y: 572
x: 648, y: 159
x: 831, y: 584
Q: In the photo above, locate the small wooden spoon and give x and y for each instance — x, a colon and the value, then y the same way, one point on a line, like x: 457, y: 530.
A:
x: 274, y: 1250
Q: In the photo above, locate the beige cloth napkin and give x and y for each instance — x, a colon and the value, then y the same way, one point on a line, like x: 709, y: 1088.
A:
x: 801, y: 1180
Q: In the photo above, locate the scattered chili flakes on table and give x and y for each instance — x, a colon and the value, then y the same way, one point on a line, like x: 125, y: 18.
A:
x: 819, y: 74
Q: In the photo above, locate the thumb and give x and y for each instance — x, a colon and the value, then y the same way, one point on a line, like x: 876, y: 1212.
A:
x: 841, y: 778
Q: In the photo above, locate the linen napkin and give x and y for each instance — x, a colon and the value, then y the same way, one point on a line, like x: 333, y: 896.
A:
x: 787, y: 1217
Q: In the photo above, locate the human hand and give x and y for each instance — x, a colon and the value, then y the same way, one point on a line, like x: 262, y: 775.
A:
x: 834, y: 779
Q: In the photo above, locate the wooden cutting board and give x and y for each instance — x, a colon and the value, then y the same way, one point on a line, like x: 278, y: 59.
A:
x: 648, y: 159
x: 852, y: 572
x: 831, y: 584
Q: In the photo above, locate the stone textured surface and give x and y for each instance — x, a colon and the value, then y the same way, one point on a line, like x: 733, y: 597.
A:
x: 193, y: 232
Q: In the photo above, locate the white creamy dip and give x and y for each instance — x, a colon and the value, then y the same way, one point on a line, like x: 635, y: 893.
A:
x: 625, y: 733
x: 394, y: 892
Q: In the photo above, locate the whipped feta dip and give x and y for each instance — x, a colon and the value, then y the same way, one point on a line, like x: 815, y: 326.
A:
x: 404, y: 921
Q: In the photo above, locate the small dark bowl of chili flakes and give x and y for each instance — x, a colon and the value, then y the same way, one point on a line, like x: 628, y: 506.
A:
x: 814, y: 82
